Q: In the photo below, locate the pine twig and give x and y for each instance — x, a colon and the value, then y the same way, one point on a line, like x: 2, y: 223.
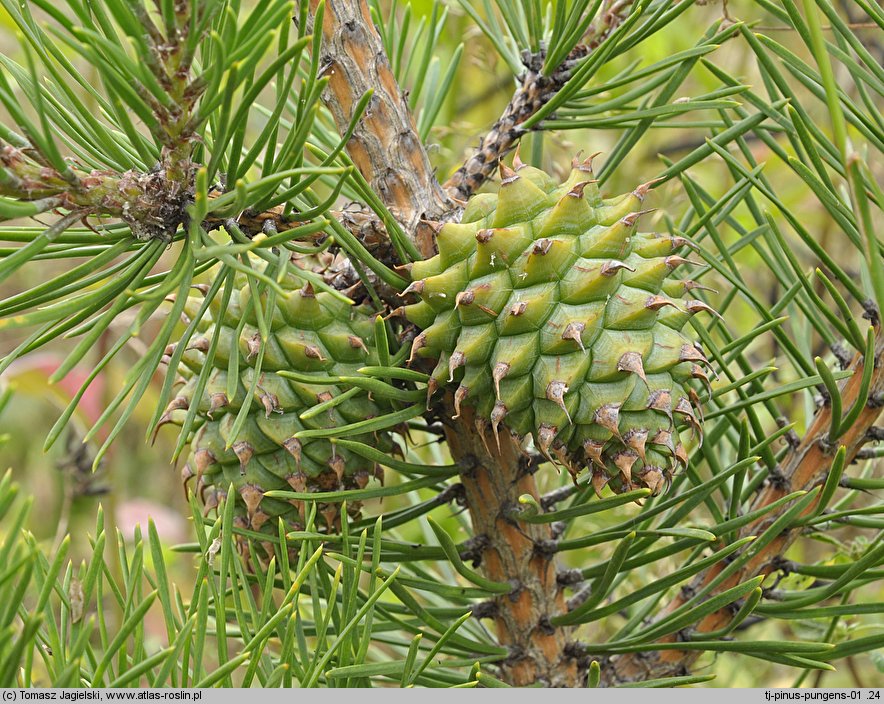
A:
x: 535, y: 90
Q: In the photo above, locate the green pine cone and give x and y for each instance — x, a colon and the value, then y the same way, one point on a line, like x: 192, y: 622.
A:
x: 315, y: 334
x: 553, y: 316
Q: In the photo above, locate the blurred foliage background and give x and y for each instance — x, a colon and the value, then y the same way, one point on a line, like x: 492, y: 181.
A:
x: 136, y: 480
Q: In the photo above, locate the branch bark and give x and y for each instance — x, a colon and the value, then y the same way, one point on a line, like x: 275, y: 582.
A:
x: 385, y: 145
x: 512, y: 551
x: 805, y: 466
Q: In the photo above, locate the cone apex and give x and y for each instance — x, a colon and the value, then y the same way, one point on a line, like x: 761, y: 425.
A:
x: 695, y: 402
x: 464, y: 298
x: 203, y: 459
x: 656, y: 302
x: 395, y: 313
x: 674, y: 260
x: 690, y: 285
x: 414, y: 287
x: 697, y: 372
x: 216, y: 402
x: 661, y: 400
x: 459, y: 396
x: 653, y: 478
x: 200, y: 344
x: 593, y: 450
x: 432, y: 385
x: 517, y: 159
x: 664, y: 438
x: 696, y: 306
x: 642, y: 190
x: 498, y: 413
x: 578, y: 188
x: 678, y: 241
x: 542, y: 247
x: 608, y: 416
x: 253, y: 345
x: 624, y: 461
x: 419, y: 343
x: 684, y: 407
x: 561, y: 453
x: 689, y: 353
x: 313, y: 352
x: 518, y: 308
x: 586, y: 164
x: 611, y: 267
x: 545, y: 436
x: 681, y: 455
x: 244, y: 453
x: 456, y: 360
x: 481, y: 427
x: 599, y: 479
x: 632, y: 218
x: 270, y: 403
x: 636, y: 439
x: 178, y: 403
x: 574, y: 331
x: 434, y: 225
x: 357, y: 343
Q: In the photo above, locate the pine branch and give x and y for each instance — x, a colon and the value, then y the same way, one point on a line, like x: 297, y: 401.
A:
x: 805, y: 466
x: 384, y: 146
x: 512, y: 551
x: 536, y: 88
x: 152, y: 203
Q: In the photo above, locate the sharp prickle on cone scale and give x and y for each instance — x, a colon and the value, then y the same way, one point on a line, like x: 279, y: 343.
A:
x: 554, y: 316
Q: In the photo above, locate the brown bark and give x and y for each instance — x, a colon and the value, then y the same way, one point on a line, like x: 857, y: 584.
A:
x: 532, y: 94
x: 385, y: 146
x: 805, y: 466
x: 512, y: 551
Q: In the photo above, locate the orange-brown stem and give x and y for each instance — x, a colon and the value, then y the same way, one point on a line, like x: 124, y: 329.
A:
x: 513, y: 551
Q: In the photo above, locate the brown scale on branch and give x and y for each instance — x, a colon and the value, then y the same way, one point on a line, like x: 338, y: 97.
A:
x: 153, y: 204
